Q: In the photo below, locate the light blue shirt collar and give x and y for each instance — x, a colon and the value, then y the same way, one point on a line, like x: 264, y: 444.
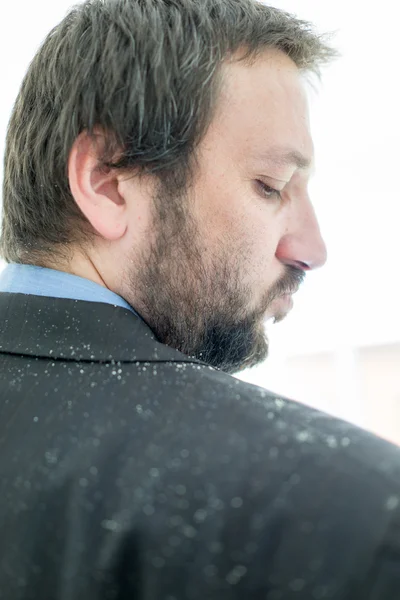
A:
x: 40, y: 281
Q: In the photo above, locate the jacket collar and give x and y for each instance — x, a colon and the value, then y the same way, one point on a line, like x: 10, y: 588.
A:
x: 58, y: 328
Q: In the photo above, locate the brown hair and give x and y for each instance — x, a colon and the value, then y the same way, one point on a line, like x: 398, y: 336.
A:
x: 148, y: 73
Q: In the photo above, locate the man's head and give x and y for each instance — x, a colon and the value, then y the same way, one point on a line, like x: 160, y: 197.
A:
x: 162, y: 148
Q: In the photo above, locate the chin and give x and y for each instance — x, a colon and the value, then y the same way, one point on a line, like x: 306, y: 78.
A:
x: 278, y: 317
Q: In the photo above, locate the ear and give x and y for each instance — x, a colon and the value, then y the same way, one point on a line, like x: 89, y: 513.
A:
x: 96, y: 191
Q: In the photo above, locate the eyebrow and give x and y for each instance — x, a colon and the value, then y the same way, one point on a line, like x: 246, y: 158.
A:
x: 287, y: 158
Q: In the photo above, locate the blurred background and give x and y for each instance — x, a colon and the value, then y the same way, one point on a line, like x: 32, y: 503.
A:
x: 339, y: 349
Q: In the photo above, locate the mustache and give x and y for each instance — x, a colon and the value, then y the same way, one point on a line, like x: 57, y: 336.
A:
x: 289, y: 283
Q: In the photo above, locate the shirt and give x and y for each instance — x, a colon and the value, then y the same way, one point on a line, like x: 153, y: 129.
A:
x: 41, y: 281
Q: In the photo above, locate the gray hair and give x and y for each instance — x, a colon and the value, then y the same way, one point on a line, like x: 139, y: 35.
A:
x: 148, y: 73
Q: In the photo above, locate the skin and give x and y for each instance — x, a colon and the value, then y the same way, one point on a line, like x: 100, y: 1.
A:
x: 208, y: 267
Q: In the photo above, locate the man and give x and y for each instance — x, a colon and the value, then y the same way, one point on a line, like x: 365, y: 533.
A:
x: 155, y: 215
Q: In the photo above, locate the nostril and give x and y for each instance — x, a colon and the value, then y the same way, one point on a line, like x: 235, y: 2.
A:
x: 303, y: 265
x: 299, y: 264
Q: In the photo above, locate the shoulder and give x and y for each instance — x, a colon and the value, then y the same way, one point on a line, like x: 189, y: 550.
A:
x: 207, y: 404
x: 276, y: 480
x: 188, y: 453
x: 250, y: 431
x: 260, y: 414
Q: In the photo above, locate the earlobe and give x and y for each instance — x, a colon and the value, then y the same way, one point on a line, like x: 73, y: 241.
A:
x: 96, y: 190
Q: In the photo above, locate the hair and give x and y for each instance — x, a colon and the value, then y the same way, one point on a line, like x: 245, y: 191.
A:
x: 148, y: 73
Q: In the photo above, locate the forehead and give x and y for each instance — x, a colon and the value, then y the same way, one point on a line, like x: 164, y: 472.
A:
x: 263, y: 109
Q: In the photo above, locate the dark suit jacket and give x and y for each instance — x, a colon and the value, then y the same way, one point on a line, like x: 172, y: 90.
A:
x: 130, y: 471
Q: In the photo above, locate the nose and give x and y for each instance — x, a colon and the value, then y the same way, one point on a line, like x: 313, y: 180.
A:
x: 302, y: 245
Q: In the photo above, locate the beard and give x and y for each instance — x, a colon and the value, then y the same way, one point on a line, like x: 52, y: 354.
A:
x: 199, y: 307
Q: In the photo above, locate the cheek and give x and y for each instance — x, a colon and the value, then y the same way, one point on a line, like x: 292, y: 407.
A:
x: 258, y: 227
x: 231, y: 218
x: 253, y: 252
x: 260, y: 268
x: 217, y: 217
x: 260, y: 232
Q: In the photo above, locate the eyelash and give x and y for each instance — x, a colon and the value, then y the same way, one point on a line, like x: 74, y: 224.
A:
x: 269, y: 191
